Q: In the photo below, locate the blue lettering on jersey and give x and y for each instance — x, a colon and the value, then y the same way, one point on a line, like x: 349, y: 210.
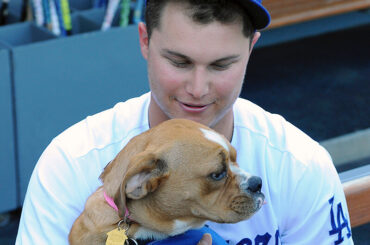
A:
x: 260, y: 239
x: 245, y: 241
x: 338, y: 222
x: 277, y: 235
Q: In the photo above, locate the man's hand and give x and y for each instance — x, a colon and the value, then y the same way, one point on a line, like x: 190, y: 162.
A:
x: 206, y: 240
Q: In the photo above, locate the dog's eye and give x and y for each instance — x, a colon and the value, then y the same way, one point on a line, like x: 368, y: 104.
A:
x: 218, y: 176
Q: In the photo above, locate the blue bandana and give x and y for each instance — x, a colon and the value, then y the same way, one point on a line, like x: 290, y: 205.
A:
x: 191, y: 237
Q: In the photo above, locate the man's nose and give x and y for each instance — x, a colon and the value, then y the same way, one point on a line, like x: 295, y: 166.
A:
x: 198, y: 84
x: 254, y: 184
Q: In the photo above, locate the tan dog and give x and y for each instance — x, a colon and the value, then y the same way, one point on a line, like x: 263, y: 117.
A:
x: 170, y: 178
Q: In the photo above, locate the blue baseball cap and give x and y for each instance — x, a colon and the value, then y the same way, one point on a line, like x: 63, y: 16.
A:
x: 258, y: 14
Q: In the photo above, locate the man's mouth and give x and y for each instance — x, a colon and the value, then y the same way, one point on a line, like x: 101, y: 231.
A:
x: 194, y: 108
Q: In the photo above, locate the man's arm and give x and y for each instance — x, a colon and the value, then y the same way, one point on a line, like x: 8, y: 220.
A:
x: 318, y: 211
x: 53, y: 201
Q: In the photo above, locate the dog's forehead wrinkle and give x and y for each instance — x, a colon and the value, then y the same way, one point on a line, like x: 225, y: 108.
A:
x: 243, y: 175
x: 215, y: 137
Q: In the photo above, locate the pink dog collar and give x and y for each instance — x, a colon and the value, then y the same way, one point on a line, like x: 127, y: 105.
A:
x: 111, y: 203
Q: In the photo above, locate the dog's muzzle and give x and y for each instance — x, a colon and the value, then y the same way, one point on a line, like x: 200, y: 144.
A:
x: 253, y: 200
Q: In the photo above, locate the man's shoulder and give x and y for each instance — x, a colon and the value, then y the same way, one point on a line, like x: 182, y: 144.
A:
x: 278, y: 134
x: 107, y: 127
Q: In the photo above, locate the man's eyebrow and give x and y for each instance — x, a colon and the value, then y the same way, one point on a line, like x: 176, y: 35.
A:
x: 227, y: 58
x: 174, y: 53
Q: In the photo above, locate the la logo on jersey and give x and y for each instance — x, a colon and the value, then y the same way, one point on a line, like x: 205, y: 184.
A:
x: 338, y: 222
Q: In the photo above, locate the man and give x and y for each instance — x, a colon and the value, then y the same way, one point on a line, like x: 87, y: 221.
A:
x: 197, y: 54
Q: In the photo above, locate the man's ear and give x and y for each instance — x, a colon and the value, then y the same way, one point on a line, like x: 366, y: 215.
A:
x: 145, y: 173
x: 144, y: 40
x: 255, y: 38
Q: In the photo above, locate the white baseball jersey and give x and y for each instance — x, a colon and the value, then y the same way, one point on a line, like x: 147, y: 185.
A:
x: 305, y: 200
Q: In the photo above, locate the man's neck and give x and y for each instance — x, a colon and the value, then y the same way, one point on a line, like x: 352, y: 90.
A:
x: 224, y: 126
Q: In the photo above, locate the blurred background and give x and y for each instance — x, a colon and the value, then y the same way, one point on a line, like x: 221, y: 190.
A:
x: 311, y: 66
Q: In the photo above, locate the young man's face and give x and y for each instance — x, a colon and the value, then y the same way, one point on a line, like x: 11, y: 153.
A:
x: 195, y: 71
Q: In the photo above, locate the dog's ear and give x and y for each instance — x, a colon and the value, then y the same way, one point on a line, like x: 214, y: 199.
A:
x: 147, y: 179
x: 144, y: 174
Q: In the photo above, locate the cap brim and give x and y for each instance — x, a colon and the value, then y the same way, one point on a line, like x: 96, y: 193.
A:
x: 259, y: 16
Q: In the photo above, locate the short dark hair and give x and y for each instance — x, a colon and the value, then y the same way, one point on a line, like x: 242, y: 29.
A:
x: 202, y: 12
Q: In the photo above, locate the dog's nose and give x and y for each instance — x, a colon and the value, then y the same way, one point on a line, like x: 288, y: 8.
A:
x: 254, y: 184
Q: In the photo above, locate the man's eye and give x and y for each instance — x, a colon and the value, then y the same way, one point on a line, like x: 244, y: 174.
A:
x: 218, y: 176
x: 220, y: 67
x: 180, y: 64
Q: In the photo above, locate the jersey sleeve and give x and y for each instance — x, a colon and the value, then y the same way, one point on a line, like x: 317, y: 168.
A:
x: 317, y: 210
x: 53, y: 199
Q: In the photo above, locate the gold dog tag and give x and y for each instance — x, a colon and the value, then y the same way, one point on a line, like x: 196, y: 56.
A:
x: 116, y: 237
